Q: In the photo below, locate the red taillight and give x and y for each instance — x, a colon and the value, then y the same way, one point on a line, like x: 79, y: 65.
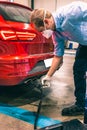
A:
x: 8, y: 35
x: 25, y: 35
x: 15, y: 35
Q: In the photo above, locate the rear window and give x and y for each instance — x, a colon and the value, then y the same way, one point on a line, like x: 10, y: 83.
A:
x: 15, y: 13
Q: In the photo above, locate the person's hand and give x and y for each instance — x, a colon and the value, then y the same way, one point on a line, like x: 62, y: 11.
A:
x: 46, y: 81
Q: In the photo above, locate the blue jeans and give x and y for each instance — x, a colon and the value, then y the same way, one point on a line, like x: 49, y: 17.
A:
x: 79, y: 70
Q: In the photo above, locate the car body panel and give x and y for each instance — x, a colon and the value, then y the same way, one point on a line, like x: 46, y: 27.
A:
x: 22, y: 50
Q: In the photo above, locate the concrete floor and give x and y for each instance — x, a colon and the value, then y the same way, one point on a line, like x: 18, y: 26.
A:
x: 60, y: 95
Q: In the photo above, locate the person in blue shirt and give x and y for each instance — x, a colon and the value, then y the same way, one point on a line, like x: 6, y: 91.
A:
x: 67, y: 23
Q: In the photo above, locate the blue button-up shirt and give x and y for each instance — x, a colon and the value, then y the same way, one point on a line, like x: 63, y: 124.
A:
x: 71, y: 24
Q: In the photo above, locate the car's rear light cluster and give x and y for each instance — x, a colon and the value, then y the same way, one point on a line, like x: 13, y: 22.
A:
x: 25, y: 35
x: 16, y: 35
x: 8, y: 35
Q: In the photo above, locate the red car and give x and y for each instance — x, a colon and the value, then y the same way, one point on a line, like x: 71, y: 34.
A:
x: 24, y: 52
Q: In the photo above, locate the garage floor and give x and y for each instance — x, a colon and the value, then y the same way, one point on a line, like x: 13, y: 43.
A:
x: 60, y: 95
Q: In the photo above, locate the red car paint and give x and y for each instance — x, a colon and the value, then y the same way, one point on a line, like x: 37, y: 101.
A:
x: 22, y: 48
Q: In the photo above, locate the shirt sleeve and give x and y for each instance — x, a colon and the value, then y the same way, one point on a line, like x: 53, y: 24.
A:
x: 58, y: 44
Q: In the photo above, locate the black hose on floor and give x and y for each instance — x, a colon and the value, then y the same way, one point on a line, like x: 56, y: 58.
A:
x: 39, y: 106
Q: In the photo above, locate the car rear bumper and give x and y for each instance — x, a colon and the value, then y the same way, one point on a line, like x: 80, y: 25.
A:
x: 14, y: 72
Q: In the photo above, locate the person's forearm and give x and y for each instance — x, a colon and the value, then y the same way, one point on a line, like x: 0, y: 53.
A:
x: 57, y: 61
